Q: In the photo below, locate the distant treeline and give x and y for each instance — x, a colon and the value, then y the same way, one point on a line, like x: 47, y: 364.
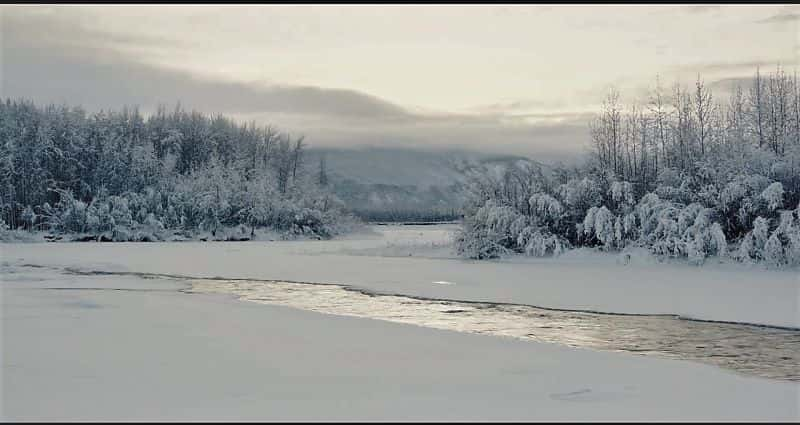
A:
x: 397, y: 216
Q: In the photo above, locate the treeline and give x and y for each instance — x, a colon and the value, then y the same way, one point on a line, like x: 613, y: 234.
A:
x: 123, y: 176
x: 682, y: 128
x: 408, y: 215
x: 684, y: 176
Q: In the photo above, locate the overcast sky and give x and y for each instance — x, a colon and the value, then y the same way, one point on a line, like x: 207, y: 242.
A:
x: 512, y: 79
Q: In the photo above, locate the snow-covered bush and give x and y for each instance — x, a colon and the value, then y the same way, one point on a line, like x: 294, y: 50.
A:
x: 783, y: 246
x: 704, y: 238
x: 69, y: 214
x: 622, y: 194
x: 151, y: 229
x: 655, y: 217
x: 538, y: 243
x: 773, y: 253
x: 773, y: 196
x: 492, y: 231
x: 579, y: 195
x: 666, y: 238
x: 475, y: 241
x: 740, y: 201
x: 599, y: 224
x: 546, y: 209
x: 752, y: 246
x: 29, y: 217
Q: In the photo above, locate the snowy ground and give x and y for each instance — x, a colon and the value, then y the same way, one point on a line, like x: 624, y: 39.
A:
x: 152, y: 352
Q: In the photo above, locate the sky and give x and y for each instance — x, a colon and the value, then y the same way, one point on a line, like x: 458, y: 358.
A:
x: 521, y: 79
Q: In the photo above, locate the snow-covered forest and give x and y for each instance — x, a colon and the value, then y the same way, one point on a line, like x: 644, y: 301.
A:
x: 123, y: 176
x: 680, y: 173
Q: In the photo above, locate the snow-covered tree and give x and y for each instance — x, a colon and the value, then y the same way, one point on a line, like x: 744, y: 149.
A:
x: 118, y: 173
x: 28, y: 217
x: 773, y: 196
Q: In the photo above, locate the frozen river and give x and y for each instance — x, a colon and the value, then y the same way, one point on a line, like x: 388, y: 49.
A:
x: 757, y: 350
x: 765, y: 351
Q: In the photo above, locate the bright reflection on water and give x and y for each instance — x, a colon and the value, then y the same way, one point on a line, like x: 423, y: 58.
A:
x: 767, y: 352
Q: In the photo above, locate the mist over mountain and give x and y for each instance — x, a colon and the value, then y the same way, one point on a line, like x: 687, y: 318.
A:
x: 403, y: 183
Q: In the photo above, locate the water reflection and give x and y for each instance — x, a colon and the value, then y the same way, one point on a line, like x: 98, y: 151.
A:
x: 762, y: 351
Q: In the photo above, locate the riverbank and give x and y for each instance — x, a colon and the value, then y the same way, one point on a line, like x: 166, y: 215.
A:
x: 409, y: 260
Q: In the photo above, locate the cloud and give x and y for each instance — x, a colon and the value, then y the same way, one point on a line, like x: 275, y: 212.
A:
x: 727, y: 85
x: 780, y: 18
x: 56, y: 77
x: 733, y: 68
x: 520, y: 105
x: 65, y: 29
x: 67, y: 64
x: 703, y: 8
x: 72, y: 65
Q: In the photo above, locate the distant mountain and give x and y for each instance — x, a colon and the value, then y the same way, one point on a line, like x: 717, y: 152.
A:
x: 402, y: 184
